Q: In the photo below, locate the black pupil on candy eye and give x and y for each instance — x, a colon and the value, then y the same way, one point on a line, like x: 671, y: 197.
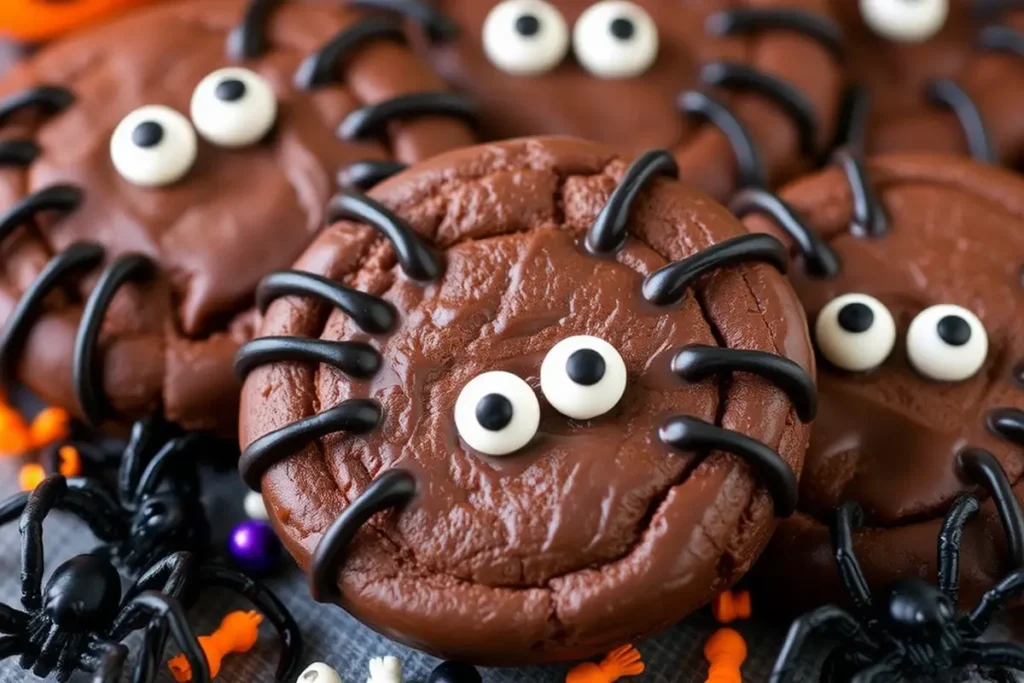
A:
x: 954, y: 330
x: 528, y: 25
x: 230, y: 90
x: 148, y: 134
x: 494, y: 412
x: 585, y: 367
x: 622, y: 28
x: 856, y: 318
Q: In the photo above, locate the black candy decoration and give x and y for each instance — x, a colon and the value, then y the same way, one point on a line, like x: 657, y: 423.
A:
x: 455, y: 672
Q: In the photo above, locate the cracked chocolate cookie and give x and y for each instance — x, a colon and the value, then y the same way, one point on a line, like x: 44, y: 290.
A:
x: 154, y: 169
x: 573, y: 386
x: 743, y: 94
x: 910, y: 271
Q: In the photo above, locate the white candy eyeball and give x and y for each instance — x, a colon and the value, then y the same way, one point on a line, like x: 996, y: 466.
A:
x: 385, y: 670
x: 234, y: 107
x: 153, y: 146
x: 497, y: 413
x: 319, y: 673
x: 615, y: 39
x: 855, y: 332
x: 905, y: 21
x: 947, y: 343
x: 583, y: 377
x: 254, y: 506
x: 525, y: 37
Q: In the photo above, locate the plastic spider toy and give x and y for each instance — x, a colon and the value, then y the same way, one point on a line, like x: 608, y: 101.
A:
x: 147, y: 526
x: 911, y: 629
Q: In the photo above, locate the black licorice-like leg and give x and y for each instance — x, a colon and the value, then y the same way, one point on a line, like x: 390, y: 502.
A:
x: 439, y: 28
x: 111, y: 657
x: 43, y: 499
x: 848, y: 516
x: 1001, y: 39
x: 167, y: 462
x: 369, y: 120
x: 752, y: 172
x: 981, y: 467
x: 853, y: 120
x: 85, y: 498
x: 18, y: 152
x: 1006, y: 423
x: 753, y: 20
x: 323, y: 67
x: 169, y: 609
x: 11, y: 646
x: 139, y: 446
x: 371, y: 313
x: 686, y: 433
x: 979, y: 142
x: 50, y: 99
x: 824, y: 617
x: 356, y: 359
x: 996, y: 654
x: 869, y: 219
x: 173, y: 576
x: 151, y: 656
x: 63, y: 198
x: 391, y: 489
x: 963, y: 509
x: 249, y: 39
x: 362, y: 175
x: 1010, y: 587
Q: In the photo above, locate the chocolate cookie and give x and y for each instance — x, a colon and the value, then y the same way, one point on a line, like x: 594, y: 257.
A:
x: 583, y: 385
x: 743, y: 94
x: 154, y: 169
x: 936, y: 76
x: 910, y: 270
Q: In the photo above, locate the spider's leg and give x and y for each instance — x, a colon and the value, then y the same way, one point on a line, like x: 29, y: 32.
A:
x: 152, y: 652
x: 133, y: 459
x: 962, y: 510
x: 828, y: 616
x: 12, y: 621
x: 269, y: 605
x: 160, y: 606
x: 166, y: 461
x: 10, y: 646
x: 106, y: 659
x: 995, y: 654
x: 170, y: 576
x: 848, y: 517
x: 993, y: 599
x: 885, y: 670
x: 981, y: 467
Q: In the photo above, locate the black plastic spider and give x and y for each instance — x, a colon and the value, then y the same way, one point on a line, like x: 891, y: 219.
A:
x: 151, y: 526
x: 912, y: 629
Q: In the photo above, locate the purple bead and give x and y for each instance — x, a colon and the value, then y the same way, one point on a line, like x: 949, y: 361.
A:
x: 254, y: 547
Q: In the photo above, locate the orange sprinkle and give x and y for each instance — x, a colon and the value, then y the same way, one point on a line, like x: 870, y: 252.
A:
x: 15, y: 438
x: 30, y: 476
x: 730, y: 606
x: 620, y: 662
x: 70, y: 461
x: 51, y: 424
x: 237, y: 632
x: 726, y: 650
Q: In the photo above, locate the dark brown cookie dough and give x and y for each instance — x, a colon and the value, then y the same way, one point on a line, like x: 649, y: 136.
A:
x: 595, y: 531
x: 639, y: 75
x: 936, y: 76
x: 947, y: 232
x: 249, y: 202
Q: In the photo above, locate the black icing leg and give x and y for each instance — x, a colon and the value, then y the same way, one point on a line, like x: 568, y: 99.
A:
x: 848, y: 517
x: 982, y: 468
x: 997, y: 596
x: 962, y: 510
x: 827, y: 617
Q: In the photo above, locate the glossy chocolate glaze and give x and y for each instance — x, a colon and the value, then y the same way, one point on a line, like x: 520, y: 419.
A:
x: 168, y: 344
x: 888, y: 439
x: 596, y: 532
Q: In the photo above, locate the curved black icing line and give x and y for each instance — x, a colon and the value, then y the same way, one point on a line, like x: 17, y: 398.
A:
x: 755, y: 20
x: 51, y: 99
x: 981, y: 467
x: 371, y: 313
x: 248, y: 40
x: 356, y: 359
x: 362, y: 175
x: 79, y: 256
x: 697, y: 362
x: 417, y: 261
x: 687, y: 433
x: 86, y: 369
x: 821, y: 261
x: 321, y: 68
x: 62, y: 198
x: 393, y: 488
x: 668, y: 284
x: 18, y: 152
x: 751, y: 169
x: 355, y: 416
x: 438, y: 26
x: 1006, y: 423
x: 946, y: 92
x: 368, y: 121
x: 869, y: 219
x: 1001, y: 39
x: 854, y: 112
x: 609, y: 231
x: 745, y: 78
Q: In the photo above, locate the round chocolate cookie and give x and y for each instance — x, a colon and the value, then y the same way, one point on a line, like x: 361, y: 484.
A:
x: 154, y: 169
x: 910, y: 272
x: 743, y: 94
x: 582, y: 385
x: 935, y: 76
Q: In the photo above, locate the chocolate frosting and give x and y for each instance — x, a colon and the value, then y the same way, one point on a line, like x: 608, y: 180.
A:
x: 888, y: 439
x: 594, y: 533
x: 167, y: 343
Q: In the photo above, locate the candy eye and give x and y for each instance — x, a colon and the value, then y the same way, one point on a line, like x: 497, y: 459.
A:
x: 615, y: 39
x: 319, y: 673
x: 583, y: 377
x: 234, y: 107
x: 947, y: 343
x: 497, y: 413
x: 855, y: 332
x: 905, y: 21
x: 153, y: 146
x: 525, y: 37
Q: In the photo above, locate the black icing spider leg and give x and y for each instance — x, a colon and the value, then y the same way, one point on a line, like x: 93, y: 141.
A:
x: 981, y: 467
x: 827, y: 617
x: 995, y: 654
x: 853, y: 120
x: 994, y: 599
x: 963, y: 509
x: 155, y: 604
x: 848, y: 517
x: 948, y: 93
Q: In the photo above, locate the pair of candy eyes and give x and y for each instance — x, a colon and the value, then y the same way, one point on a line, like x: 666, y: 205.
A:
x: 155, y: 145
x: 498, y: 413
x: 611, y: 39
x: 856, y: 332
x: 905, y: 21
